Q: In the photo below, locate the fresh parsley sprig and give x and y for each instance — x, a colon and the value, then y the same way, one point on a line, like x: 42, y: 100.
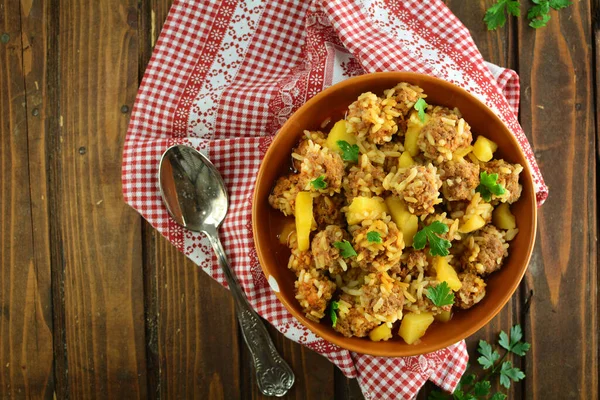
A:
x: 473, y: 388
x: 438, y: 246
x: 440, y: 295
x: 374, y: 237
x: 333, y: 307
x: 319, y: 183
x: 421, y: 106
x: 538, y: 14
x: 345, y: 248
x: 488, y: 185
x: 349, y: 152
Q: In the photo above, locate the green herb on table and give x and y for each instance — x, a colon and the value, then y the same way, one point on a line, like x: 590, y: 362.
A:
x: 345, y: 248
x: 471, y: 387
x: 437, y: 246
x: 333, y: 307
x: 374, y: 237
x: 538, y: 14
x: 349, y: 152
x: 440, y: 295
x: 488, y: 185
x: 421, y: 106
x: 319, y: 183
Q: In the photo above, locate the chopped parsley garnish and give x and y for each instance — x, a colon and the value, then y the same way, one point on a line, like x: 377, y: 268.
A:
x: 374, y: 237
x: 345, y: 248
x: 319, y: 183
x: 495, y: 16
x: 538, y: 14
x: 437, y: 246
x: 349, y: 152
x: 440, y: 295
x: 488, y: 185
x: 421, y: 106
x: 333, y: 307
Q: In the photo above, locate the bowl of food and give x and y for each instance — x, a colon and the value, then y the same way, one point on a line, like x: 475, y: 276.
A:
x: 394, y: 214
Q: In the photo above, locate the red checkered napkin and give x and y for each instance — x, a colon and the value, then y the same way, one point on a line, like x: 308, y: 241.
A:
x: 224, y: 77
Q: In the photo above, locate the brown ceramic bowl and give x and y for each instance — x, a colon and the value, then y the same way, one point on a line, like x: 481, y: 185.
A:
x: 331, y: 103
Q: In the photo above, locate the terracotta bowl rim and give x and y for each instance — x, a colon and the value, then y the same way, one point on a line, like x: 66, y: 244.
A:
x: 338, y: 339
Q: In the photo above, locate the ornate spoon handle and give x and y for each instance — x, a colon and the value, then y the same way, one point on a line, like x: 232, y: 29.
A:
x: 273, y: 375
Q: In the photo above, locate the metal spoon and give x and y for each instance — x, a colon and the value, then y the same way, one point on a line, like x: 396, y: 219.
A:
x: 196, y: 197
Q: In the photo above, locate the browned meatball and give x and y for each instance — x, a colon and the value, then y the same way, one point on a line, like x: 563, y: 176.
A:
x: 485, y: 251
x: 321, y: 162
x: 508, y: 177
x: 283, y: 197
x: 372, y: 118
x: 418, y: 186
x: 372, y: 256
x: 405, y: 96
x: 471, y: 292
x: 325, y: 254
x: 313, y: 292
x: 317, y: 137
x: 355, y: 324
x: 459, y: 179
x: 328, y: 210
x: 443, y: 135
x: 299, y: 260
x: 364, y: 179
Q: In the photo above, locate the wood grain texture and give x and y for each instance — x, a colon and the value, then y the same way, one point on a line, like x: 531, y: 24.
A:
x: 25, y: 293
x: 99, y: 236
x: 557, y: 113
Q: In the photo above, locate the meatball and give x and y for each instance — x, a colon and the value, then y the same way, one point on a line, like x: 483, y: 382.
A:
x: 471, y: 292
x: 418, y: 185
x: 382, y: 296
x: 313, y: 292
x: 485, y: 251
x: 442, y: 136
x: 299, y: 260
x: 508, y: 177
x: 321, y: 162
x: 405, y: 96
x: 459, y: 179
x: 283, y: 197
x: 363, y: 179
x: 328, y: 210
x: 301, y: 150
x: 354, y: 323
x: 377, y: 255
x: 392, y: 152
x: 325, y: 254
x: 372, y: 118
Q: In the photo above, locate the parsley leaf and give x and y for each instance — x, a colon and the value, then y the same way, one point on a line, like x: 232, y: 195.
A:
x: 559, y: 4
x: 498, y: 396
x: 420, y: 106
x: 332, y: 312
x: 514, y: 344
x: 495, y: 16
x: 374, y: 237
x: 467, y: 380
x: 319, y: 183
x: 482, y: 388
x: 540, y: 22
x: 346, y: 249
x: 349, y: 152
x: 440, y: 295
x: 521, y: 348
x: 488, y: 185
x: 437, y: 246
x: 488, y: 355
x: 508, y: 373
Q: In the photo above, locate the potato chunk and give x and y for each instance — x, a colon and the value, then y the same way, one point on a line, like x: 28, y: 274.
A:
x: 304, y: 219
x: 503, y: 218
x: 484, y: 149
x: 407, y: 222
x: 462, y: 152
x: 472, y: 224
x: 446, y: 273
x: 413, y: 326
x: 288, y: 228
x: 363, y: 208
x: 444, y: 316
x: 382, y: 332
x: 337, y: 133
x: 406, y: 160
x: 414, y: 127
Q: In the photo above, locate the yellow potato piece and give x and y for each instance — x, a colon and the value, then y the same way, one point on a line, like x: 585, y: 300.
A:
x: 444, y: 316
x: 484, y: 149
x: 446, y: 273
x: 363, y: 208
x: 413, y: 129
x: 503, y: 218
x: 472, y: 224
x: 462, y: 152
x: 304, y: 219
x: 406, y: 160
x: 382, y: 332
x: 413, y: 326
x: 289, y: 227
x: 338, y: 132
x: 406, y: 222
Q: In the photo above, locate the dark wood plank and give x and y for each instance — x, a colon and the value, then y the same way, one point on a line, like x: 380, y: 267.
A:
x: 557, y: 109
x: 98, y: 239
x: 25, y: 291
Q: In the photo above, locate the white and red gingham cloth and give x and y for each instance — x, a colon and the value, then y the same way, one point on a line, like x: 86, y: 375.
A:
x: 225, y: 75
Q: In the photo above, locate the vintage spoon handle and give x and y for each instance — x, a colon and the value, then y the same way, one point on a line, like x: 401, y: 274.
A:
x: 273, y: 375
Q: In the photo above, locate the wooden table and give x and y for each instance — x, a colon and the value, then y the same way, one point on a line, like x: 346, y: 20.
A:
x: 94, y: 303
